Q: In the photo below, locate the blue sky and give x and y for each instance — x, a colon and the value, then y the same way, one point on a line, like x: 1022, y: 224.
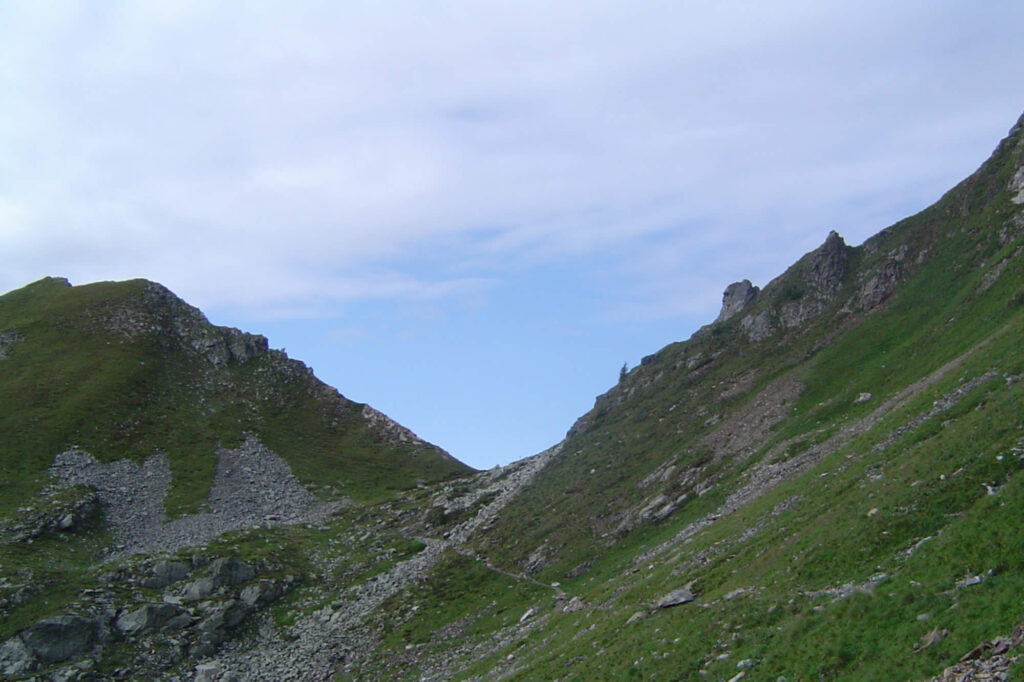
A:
x: 470, y: 215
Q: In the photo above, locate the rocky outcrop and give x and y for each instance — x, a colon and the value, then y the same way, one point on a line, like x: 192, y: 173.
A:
x: 881, y: 283
x: 1017, y: 186
x: 230, y: 571
x: 56, y: 510
x: 828, y: 266
x: 60, y: 638
x: 151, y: 617
x: 735, y: 298
x: 387, y: 428
x: 798, y: 296
x: 8, y: 338
x: 163, y: 632
x: 158, y: 311
x: 819, y: 282
x: 758, y: 326
x: 166, y: 573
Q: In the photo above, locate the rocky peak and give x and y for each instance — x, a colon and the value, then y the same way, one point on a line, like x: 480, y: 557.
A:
x: 159, y: 311
x: 800, y: 294
x: 387, y: 428
x: 828, y: 265
x: 736, y: 297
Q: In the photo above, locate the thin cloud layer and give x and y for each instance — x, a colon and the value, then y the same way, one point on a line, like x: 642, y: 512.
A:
x: 420, y: 181
x: 257, y: 156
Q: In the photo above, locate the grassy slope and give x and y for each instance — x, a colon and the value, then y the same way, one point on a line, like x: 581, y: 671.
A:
x: 661, y: 409
x: 72, y: 380
x: 965, y: 299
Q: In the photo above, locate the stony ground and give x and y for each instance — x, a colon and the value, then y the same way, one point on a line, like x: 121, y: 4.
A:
x: 331, y: 638
x: 251, y: 487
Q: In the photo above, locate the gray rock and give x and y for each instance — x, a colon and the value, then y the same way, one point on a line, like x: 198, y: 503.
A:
x: 828, y: 265
x: 169, y: 572
x: 207, y: 672
x: 758, y: 326
x: 260, y: 594
x: 881, y: 284
x: 575, y: 604
x: 57, y: 639
x: 649, y: 509
x: 225, y: 617
x: 1017, y: 186
x: 15, y: 658
x: 231, y: 571
x: 681, y: 596
x: 736, y: 297
x: 7, y: 339
x: 182, y: 620
x: 251, y: 484
x: 146, y: 618
x: 821, y: 275
x: 969, y: 581
x: 204, y: 649
x: 198, y: 589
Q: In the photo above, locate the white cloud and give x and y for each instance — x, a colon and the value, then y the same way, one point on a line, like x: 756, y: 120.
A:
x: 263, y: 156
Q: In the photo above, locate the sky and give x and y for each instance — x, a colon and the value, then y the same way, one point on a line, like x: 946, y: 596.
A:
x: 470, y: 215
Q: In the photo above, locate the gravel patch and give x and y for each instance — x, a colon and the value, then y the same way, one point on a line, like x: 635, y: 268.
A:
x: 251, y: 487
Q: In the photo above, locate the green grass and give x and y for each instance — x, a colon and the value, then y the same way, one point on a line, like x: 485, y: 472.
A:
x: 853, y: 516
x: 461, y: 600
x: 75, y: 377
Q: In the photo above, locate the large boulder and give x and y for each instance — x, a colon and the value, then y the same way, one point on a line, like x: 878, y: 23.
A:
x: 60, y: 638
x: 224, y: 617
x: 147, y: 618
x: 674, y: 598
x: 166, y: 573
x: 231, y: 571
x: 260, y: 594
x: 198, y: 589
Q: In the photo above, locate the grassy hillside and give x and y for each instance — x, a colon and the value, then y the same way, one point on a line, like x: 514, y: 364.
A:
x: 702, y: 404
x: 836, y: 470
x: 123, y: 370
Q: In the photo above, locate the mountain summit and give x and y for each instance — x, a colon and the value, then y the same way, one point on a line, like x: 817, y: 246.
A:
x: 125, y: 371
